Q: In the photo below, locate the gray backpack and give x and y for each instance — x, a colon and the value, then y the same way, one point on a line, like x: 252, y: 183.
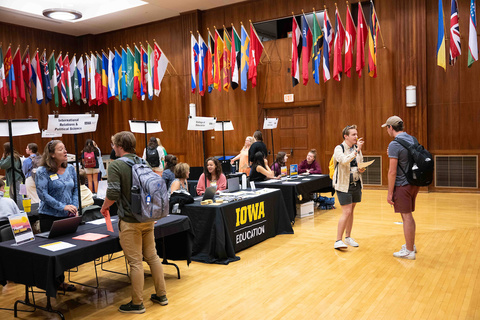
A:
x: 149, y: 197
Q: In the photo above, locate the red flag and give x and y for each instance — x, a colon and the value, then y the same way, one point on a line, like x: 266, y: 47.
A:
x: 17, y: 65
x: 338, y: 46
x: 66, y: 78
x: 256, y: 50
x: 61, y: 80
x: 98, y: 79
x: 27, y: 71
x: 362, y: 34
x: 144, y: 70
x: 306, y: 48
x: 4, y: 70
x: 349, y: 42
x: 210, y: 61
x: 296, y: 47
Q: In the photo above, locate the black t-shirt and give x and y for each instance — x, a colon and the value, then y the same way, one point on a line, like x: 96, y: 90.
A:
x: 257, y: 146
x: 255, y: 175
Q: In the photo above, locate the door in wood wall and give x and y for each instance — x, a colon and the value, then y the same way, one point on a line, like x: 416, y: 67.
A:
x: 299, y: 130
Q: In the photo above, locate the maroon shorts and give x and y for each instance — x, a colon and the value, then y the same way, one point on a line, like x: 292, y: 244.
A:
x: 404, y: 198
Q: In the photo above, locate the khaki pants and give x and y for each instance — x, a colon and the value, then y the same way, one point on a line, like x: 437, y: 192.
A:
x: 138, y: 243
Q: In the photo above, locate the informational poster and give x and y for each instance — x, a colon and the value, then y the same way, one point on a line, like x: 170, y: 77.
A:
x: 227, y: 126
x: 137, y: 126
x: 201, y: 123
x: 293, y: 170
x: 19, y: 127
x: 270, y: 123
x: 22, y: 230
x: 72, y: 123
x: 283, y: 171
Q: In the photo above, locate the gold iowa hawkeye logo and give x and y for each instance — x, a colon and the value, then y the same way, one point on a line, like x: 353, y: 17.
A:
x: 252, y: 212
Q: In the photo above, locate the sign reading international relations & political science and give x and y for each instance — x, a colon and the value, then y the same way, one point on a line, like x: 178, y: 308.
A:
x: 72, y: 123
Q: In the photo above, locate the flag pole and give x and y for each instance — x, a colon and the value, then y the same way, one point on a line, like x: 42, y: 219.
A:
x: 379, y: 28
x: 266, y: 53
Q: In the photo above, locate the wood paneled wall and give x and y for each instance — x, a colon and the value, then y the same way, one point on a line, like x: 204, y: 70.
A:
x: 446, y: 118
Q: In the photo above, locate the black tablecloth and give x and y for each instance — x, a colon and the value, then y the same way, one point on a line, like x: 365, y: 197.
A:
x: 34, y: 266
x: 308, y: 185
x: 220, y: 231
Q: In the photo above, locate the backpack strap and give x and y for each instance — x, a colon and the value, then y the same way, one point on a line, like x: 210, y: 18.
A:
x: 408, y: 146
x: 336, y: 164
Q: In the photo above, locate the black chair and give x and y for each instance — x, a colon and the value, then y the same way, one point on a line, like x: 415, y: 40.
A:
x: 195, y: 173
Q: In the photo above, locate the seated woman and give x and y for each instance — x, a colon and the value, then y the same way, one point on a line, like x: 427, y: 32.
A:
x: 181, y: 171
x: 85, y: 193
x: 215, y: 177
x: 279, y: 163
x: 310, y: 165
x: 168, y: 175
x: 260, y: 169
x: 8, y: 207
x: 243, y: 156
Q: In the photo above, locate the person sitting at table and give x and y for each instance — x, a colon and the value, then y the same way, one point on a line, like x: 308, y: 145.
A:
x: 8, y: 207
x: 168, y: 175
x: 181, y: 171
x: 310, y: 165
x: 6, y: 164
x: 243, y: 156
x: 260, y: 169
x: 215, y: 177
x: 258, y: 145
x: 279, y: 163
x: 85, y: 193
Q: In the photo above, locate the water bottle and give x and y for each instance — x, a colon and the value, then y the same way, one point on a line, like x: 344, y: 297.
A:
x: 136, y: 199
x: 244, y: 181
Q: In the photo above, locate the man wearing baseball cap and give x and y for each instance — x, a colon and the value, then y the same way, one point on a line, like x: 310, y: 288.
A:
x: 401, y: 194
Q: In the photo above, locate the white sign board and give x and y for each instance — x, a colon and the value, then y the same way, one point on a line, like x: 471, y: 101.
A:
x: 72, y: 123
x: 270, y: 123
x: 139, y: 127
x: 201, y: 123
x: 20, y: 128
x: 46, y: 134
x: 227, y: 126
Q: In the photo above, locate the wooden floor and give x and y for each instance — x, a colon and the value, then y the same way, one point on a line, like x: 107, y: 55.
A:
x: 301, y: 276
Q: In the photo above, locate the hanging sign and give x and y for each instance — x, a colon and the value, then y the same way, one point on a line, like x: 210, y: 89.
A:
x: 227, y: 126
x: 138, y: 126
x: 19, y: 127
x: 201, y: 123
x: 72, y: 123
x: 270, y: 123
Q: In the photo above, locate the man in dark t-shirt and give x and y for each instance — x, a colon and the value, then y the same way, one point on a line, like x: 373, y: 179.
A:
x: 258, y: 145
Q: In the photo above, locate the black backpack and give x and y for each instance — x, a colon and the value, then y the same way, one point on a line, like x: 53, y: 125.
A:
x: 420, y: 163
x: 153, y: 158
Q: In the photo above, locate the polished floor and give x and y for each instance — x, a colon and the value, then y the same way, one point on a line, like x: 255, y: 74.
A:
x: 301, y: 276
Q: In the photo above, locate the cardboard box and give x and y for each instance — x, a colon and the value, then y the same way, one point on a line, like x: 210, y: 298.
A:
x: 305, y: 209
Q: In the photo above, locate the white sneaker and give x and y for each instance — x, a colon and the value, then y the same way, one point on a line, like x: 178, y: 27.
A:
x: 351, y: 242
x: 405, y: 254
x: 414, y: 247
x: 340, y: 245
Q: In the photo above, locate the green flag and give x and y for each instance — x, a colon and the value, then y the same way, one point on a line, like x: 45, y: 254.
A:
x: 316, y: 49
x: 53, y: 80
x: 74, y: 78
x: 130, y: 60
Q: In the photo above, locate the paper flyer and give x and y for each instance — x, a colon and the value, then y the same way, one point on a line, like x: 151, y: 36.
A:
x: 90, y: 236
x: 57, y: 246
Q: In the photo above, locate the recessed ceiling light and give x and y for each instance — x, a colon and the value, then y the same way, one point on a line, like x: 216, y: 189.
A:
x: 62, y: 14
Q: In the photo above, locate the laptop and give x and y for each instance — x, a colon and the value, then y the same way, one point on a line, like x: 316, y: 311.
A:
x: 62, y: 227
x: 293, y: 171
x: 209, y: 193
x: 233, y: 184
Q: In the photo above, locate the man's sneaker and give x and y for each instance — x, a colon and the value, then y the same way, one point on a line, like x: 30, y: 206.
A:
x: 339, y: 245
x: 351, y: 242
x: 414, y: 247
x: 132, y: 308
x: 405, y: 254
x: 162, y: 300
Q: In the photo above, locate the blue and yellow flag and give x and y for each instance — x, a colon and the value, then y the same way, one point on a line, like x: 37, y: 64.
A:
x: 117, y: 63
x: 244, y: 58
x: 441, y: 58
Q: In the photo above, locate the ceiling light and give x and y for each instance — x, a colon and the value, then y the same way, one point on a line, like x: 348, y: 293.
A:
x: 62, y: 14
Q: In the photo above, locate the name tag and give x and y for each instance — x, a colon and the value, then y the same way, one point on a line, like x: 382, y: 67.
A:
x: 54, y: 177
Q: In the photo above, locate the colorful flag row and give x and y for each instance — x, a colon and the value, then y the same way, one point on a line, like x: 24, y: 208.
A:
x: 455, y: 47
x: 229, y: 60
x: 308, y: 43
x: 94, y: 79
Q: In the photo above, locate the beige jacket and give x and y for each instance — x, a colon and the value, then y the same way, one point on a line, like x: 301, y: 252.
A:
x: 342, y: 181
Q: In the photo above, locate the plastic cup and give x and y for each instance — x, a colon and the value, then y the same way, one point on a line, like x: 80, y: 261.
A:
x: 27, y: 204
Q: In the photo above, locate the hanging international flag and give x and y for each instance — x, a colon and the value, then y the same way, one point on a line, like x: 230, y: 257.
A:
x: 472, y: 35
x: 194, y: 52
x: 62, y: 91
x: 67, y: 77
x: 327, y: 45
x: 86, y: 70
x: 105, y: 67
x: 256, y: 50
x: 144, y: 71
x: 36, y: 77
x: 296, y: 50
x: 123, y: 76
x: 137, y: 74
x: 118, y: 74
x: 227, y: 67
x: 76, y: 93
x: 455, y: 49
x: 93, y: 80
x: 53, y: 78
x: 129, y: 73
x: 17, y: 64
x: 161, y: 64
x: 3, y: 80
x: 236, y: 54
x: 362, y: 34
x: 150, y: 72
x: 338, y: 47
x: 317, y: 48
x: 350, y: 34
x: 98, y: 78
x: 218, y: 65
x: 245, y: 60
x: 81, y: 79
x: 372, y: 42
x: 210, y: 61
x: 202, y: 46
x: 27, y: 71
x: 10, y: 75
x: 306, y: 48
x: 111, y: 75
x: 46, y: 82
x: 441, y: 60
